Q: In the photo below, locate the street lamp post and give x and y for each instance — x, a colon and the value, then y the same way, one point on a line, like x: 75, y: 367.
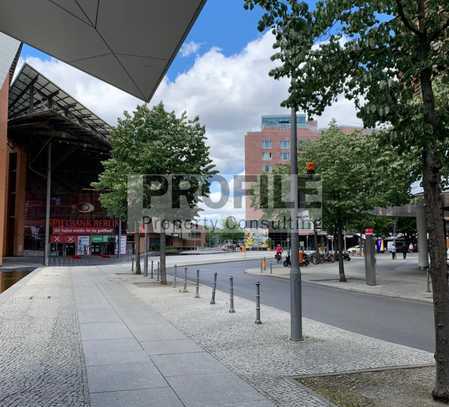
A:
x: 295, y: 272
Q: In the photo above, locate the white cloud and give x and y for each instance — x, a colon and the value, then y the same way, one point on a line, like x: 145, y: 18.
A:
x: 189, y: 48
x: 228, y: 93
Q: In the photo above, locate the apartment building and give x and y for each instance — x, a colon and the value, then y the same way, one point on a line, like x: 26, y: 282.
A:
x: 271, y: 146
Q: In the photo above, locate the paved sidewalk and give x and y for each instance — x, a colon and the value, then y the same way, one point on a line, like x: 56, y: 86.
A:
x: 136, y: 358
x: 395, y: 278
x: 100, y: 336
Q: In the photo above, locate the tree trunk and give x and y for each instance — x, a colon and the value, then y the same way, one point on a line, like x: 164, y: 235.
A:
x: 162, y: 253
x: 434, y: 221
x: 341, y: 264
x: 137, y: 251
x: 438, y: 273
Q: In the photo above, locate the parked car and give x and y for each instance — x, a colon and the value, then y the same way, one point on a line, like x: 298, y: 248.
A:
x: 354, y: 250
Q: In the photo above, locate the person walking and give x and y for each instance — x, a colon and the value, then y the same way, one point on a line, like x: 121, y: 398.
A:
x: 393, y: 250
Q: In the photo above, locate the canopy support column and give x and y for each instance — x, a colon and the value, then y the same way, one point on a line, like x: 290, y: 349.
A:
x: 47, y: 209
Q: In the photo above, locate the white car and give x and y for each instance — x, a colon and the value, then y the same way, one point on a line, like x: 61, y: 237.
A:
x: 354, y: 250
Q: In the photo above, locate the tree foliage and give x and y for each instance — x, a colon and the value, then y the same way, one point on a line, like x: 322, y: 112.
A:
x: 388, y: 56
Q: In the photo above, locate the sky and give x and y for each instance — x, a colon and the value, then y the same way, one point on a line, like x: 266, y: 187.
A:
x: 220, y: 75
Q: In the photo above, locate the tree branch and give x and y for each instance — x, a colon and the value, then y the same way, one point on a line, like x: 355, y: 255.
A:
x: 405, y: 20
x: 439, y: 31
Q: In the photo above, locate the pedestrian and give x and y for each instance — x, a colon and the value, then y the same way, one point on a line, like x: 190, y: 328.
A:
x: 404, y: 252
x: 393, y: 250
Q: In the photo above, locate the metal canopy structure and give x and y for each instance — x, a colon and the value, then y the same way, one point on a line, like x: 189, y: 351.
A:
x: 37, y: 103
x: 129, y: 44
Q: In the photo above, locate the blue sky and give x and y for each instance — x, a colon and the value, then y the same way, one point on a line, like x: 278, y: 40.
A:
x: 222, y: 23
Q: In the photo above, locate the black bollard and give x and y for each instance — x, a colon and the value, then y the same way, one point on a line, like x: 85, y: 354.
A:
x: 132, y: 263
x: 214, y: 288
x: 258, y: 321
x: 197, y: 288
x: 152, y: 270
x: 185, y: 281
x: 231, y: 295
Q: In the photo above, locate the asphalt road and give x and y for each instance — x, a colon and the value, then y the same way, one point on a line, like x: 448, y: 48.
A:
x: 400, y: 321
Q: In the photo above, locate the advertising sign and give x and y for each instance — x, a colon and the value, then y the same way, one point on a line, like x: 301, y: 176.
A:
x: 83, y: 246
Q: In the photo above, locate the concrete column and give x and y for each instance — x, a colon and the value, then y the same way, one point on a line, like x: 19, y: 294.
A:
x: 19, y: 227
x: 423, y: 254
x: 4, y: 155
x: 370, y: 260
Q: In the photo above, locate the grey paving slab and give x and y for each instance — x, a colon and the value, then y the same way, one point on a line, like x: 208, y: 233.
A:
x: 188, y: 364
x: 155, y: 332
x: 127, y: 376
x: 101, y: 314
x: 213, y: 390
x: 167, y: 347
x: 161, y: 397
x: 104, y: 330
x: 113, y: 351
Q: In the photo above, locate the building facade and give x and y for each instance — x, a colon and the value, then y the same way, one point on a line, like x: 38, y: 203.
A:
x: 270, y: 146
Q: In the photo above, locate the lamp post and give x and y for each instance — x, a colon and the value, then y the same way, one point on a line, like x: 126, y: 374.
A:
x: 295, y: 272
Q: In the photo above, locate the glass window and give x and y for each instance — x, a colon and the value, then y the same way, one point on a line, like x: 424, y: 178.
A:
x: 266, y: 156
x: 267, y: 168
x: 266, y: 143
x: 285, y: 144
x: 285, y: 155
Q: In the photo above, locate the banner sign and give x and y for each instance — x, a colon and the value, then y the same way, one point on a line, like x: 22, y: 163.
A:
x: 83, y: 226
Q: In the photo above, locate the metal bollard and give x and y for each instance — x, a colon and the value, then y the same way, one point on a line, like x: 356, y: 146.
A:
x: 214, y: 288
x: 197, y: 288
x: 152, y: 270
x: 271, y: 267
x: 231, y: 295
x: 158, y: 271
x: 132, y: 263
x: 145, y: 265
x: 175, y: 272
x: 428, y: 290
x: 258, y: 321
x: 185, y: 281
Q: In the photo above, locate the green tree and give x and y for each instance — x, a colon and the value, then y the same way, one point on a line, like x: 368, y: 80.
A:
x: 153, y: 141
x: 387, y: 56
x: 357, y: 175
x: 231, y: 231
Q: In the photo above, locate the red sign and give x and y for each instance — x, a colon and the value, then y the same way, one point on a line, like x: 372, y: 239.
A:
x: 369, y: 231
x: 83, y: 226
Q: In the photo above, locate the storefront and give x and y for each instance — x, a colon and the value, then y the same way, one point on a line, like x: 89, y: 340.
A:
x: 84, y: 237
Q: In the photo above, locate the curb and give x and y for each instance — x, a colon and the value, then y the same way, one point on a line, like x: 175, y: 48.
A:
x: 353, y: 290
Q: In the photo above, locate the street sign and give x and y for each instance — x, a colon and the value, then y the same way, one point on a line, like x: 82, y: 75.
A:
x: 369, y: 231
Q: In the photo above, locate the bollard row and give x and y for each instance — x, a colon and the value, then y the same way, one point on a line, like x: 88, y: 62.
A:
x: 231, y: 310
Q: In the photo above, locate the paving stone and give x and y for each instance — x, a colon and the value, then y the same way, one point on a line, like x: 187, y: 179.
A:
x: 161, y: 397
x: 104, y: 330
x: 167, y: 347
x: 126, y: 376
x: 188, y: 364
x: 113, y: 351
x: 213, y: 390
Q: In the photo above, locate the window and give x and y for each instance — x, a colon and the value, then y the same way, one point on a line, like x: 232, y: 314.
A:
x: 267, y: 168
x: 266, y: 156
x: 266, y: 143
x: 285, y: 144
x: 285, y: 156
